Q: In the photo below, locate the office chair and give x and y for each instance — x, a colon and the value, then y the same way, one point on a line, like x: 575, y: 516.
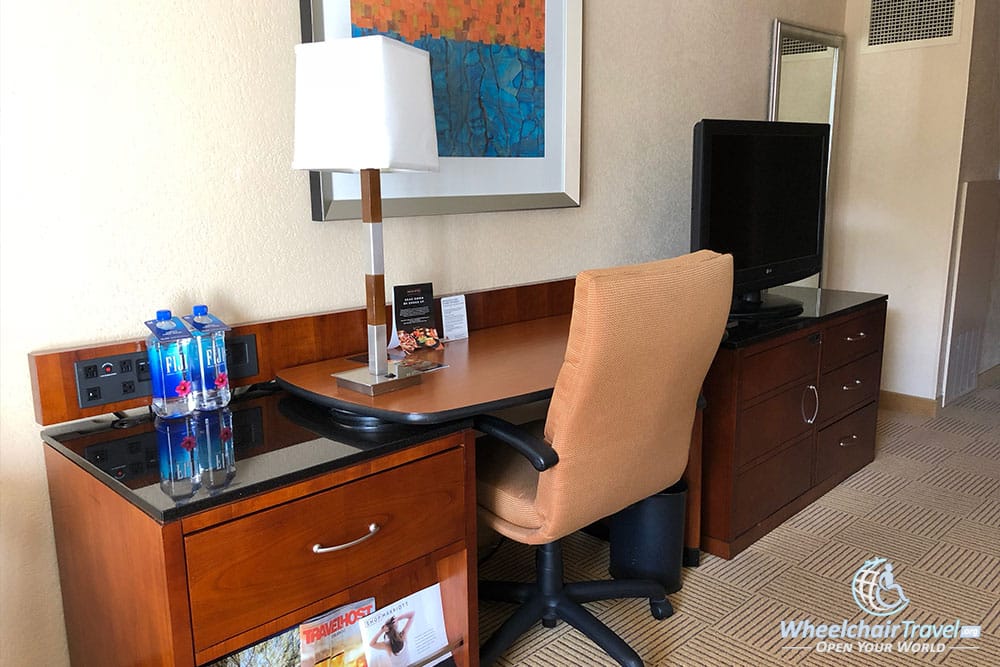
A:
x: 617, y: 430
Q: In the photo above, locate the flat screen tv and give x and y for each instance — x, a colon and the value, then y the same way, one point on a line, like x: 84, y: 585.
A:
x: 759, y: 193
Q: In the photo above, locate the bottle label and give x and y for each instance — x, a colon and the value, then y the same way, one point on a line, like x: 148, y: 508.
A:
x: 206, y: 323
x: 169, y: 371
x: 168, y: 330
x: 213, y: 364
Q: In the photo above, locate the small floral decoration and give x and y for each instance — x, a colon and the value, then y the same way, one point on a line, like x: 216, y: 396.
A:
x: 184, y: 388
x: 226, y: 433
x: 189, y: 442
x: 221, y: 380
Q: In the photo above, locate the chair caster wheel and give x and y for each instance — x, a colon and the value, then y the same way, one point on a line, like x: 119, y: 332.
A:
x: 549, y: 622
x: 661, y: 609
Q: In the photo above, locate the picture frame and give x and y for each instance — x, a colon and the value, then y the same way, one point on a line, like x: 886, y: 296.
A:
x: 473, y: 184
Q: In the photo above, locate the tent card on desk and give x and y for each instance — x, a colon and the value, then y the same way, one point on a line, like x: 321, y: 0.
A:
x: 407, y: 632
x: 413, y: 317
x: 335, y: 637
x: 454, y: 318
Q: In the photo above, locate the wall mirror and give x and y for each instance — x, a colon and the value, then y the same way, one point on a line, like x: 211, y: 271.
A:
x: 806, y: 70
x: 805, y: 74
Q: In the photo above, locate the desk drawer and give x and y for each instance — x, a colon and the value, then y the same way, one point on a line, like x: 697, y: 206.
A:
x: 846, y: 445
x: 851, y: 385
x: 257, y: 568
x: 853, y: 338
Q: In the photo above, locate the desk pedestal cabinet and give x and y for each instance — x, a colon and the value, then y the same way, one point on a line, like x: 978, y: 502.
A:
x: 791, y: 413
x: 189, y: 591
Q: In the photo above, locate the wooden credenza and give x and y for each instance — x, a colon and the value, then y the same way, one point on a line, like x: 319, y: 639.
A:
x: 152, y: 581
x: 791, y: 412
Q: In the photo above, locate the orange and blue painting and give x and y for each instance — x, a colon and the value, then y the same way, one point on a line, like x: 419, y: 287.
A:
x: 487, y: 68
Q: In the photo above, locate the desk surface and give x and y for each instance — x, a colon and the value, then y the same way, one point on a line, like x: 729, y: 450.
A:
x: 495, y: 368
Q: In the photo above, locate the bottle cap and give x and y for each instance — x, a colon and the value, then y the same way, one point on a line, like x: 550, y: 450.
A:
x: 162, y: 315
x: 200, y: 311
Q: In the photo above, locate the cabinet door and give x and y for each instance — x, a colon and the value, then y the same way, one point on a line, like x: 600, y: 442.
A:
x: 772, y: 484
x: 768, y: 425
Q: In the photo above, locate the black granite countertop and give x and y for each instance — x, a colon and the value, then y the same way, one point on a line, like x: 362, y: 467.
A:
x: 817, y: 305
x: 276, y: 439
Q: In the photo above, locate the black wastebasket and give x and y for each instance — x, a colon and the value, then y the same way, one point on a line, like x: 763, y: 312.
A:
x: 647, y: 538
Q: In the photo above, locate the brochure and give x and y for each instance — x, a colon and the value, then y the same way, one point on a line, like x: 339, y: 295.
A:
x: 334, y: 638
x: 415, y: 324
x: 407, y: 632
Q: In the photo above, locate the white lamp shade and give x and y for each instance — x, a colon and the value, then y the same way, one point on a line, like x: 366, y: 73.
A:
x: 363, y: 103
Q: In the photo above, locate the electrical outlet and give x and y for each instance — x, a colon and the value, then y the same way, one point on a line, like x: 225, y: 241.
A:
x: 122, y: 377
x: 110, y: 379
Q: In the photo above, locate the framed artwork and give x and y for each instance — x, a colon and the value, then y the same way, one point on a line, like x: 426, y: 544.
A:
x: 506, y: 76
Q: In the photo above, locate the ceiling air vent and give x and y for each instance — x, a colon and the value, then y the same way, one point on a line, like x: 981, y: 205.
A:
x: 909, y: 23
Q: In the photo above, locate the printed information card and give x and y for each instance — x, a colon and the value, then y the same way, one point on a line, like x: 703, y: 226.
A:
x: 454, y: 318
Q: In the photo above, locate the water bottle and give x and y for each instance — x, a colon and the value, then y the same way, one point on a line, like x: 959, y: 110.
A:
x: 209, y: 373
x: 168, y: 350
x: 216, y: 459
x: 177, y: 447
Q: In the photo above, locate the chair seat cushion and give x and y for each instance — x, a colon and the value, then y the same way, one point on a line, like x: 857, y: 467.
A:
x: 507, y: 484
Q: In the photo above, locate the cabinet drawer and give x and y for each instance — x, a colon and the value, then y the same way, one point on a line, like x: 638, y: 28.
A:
x: 852, y: 339
x: 850, y: 385
x: 257, y: 568
x: 846, y: 445
x: 767, y: 487
x: 770, y: 423
x: 772, y: 368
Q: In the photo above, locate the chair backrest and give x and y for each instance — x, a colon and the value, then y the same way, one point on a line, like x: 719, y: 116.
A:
x: 641, y: 340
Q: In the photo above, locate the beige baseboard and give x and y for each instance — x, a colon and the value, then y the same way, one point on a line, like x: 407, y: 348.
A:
x: 914, y: 405
x: 988, y: 378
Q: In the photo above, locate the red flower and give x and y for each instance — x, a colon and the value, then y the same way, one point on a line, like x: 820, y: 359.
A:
x: 184, y: 388
x: 221, y: 380
x: 188, y: 442
x: 226, y: 433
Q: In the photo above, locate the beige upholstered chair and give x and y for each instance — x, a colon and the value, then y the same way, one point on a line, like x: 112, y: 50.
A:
x: 618, y: 428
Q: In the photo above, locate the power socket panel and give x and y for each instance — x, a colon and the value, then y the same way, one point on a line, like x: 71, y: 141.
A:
x: 122, y: 377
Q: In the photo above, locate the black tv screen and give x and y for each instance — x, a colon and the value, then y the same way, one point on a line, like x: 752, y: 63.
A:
x: 759, y: 193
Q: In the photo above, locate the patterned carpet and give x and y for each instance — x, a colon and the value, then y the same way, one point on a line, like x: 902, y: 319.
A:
x: 929, y: 503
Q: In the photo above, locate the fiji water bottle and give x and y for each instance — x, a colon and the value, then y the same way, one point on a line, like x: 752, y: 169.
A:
x: 216, y: 459
x: 177, y: 447
x: 169, y: 352
x: 208, y: 372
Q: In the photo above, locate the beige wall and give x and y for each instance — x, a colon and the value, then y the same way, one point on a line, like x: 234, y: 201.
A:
x: 893, y: 203
x: 145, y: 164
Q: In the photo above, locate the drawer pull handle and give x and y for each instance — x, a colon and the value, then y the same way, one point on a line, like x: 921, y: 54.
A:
x: 848, y: 441
x: 372, y: 529
x: 856, y: 337
x: 802, y: 405
x: 851, y: 387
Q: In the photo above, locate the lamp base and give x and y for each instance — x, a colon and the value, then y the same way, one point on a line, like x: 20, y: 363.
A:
x: 361, y: 380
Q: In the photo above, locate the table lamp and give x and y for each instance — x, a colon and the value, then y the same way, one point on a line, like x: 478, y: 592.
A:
x: 364, y: 105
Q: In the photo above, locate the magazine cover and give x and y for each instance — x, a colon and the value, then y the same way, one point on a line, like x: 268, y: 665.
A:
x: 407, y: 632
x: 414, y: 318
x: 334, y: 639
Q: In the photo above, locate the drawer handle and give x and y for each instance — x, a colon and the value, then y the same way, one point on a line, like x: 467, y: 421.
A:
x: 372, y: 529
x: 851, y: 387
x: 802, y: 405
x: 848, y: 441
x: 856, y: 337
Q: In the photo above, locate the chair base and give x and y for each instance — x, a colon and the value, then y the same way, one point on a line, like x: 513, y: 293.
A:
x: 549, y: 600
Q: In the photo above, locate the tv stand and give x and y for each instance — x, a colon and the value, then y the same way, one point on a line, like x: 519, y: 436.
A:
x: 791, y: 412
x: 759, y: 304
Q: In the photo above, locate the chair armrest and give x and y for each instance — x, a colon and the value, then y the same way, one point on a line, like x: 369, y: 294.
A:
x: 538, y: 452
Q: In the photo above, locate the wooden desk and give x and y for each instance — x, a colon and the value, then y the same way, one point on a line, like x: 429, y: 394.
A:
x: 496, y: 368
x: 499, y: 367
